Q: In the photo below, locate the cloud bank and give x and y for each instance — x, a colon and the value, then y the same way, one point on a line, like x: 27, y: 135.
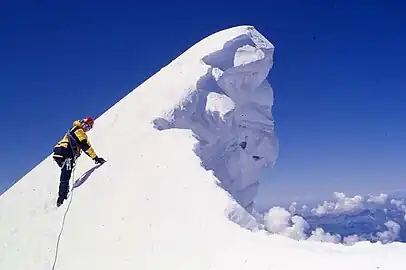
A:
x: 344, y: 219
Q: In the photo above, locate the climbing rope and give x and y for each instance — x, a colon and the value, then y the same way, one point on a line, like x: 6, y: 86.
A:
x: 63, y: 222
x: 71, y: 183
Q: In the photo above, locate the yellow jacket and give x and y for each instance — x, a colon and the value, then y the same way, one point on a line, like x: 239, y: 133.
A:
x: 73, y: 143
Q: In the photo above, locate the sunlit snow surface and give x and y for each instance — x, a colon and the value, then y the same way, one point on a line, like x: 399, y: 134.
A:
x: 184, y: 150
x: 230, y: 113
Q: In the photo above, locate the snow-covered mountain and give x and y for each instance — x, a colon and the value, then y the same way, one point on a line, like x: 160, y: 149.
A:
x: 184, y: 153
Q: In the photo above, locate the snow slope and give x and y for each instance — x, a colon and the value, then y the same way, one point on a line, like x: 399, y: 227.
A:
x: 184, y: 150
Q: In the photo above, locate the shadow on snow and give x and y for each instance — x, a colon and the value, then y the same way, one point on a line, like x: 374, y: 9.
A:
x: 85, y: 176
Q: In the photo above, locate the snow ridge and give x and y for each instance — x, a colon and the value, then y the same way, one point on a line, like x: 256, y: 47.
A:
x: 230, y: 113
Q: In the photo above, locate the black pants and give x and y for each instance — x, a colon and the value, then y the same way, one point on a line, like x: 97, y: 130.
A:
x: 66, y: 165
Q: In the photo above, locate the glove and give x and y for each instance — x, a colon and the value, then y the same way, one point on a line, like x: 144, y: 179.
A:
x: 99, y: 160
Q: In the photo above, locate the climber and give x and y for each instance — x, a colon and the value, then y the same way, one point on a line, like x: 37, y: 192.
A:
x: 67, y: 151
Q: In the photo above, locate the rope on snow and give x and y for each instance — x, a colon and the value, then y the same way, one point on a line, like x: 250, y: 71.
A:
x: 63, y: 223
x: 67, y: 209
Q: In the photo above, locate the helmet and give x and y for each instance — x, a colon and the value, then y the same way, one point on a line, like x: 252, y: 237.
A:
x: 87, y: 123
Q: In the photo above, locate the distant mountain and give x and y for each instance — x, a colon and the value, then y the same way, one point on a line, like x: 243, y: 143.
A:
x: 343, y: 219
x: 365, y: 222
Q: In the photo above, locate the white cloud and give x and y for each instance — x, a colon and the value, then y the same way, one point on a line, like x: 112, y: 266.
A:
x: 290, y: 223
x: 280, y: 221
x: 277, y: 220
x: 391, y: 234
x: 351, y: 239
x: 341, y: 203
x: 381, y: 199
x: 400, y: 204
x: 321, y: 236
x: 298, y: 229
x: 292, y: 207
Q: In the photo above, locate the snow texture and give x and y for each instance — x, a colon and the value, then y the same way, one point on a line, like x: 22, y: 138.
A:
x: 230, y: 113
x: 201, y: 123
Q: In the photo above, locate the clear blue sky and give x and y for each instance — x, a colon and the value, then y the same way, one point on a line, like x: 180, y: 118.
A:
x: 339, y: 79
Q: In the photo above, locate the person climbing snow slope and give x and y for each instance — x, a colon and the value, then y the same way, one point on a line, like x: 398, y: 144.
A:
x: 68, y: 150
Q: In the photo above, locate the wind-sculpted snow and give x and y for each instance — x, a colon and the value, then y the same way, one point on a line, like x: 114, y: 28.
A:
x: 230, y: 113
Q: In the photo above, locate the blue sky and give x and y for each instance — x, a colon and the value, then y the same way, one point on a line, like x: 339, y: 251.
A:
x: 338, y: 77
